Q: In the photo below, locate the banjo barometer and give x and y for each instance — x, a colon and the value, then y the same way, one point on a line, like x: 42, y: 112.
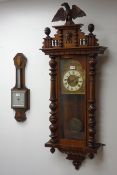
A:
x: 20, y: 95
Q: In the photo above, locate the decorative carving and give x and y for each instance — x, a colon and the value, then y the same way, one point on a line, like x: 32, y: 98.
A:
x: 68, y: 37
x: 70, y: 43
x: 76, y: 37
x: 73, y: 37
x: 52, y: 150
x: 77, y: 159
x: 91, y: 155
x: 68, y: 14
x: 92, y: 106
x: 48, y: 40
x: 91, y: 28
x: 92, y: 41
x: 60, y: 41
x: 47, y: 32
x: 79, y: 155
x: 53, y: 118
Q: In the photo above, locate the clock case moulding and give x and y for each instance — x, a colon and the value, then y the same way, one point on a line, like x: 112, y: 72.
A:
x: 70, y: 42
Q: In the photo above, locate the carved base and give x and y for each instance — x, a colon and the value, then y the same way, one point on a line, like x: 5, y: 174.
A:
x: 77, y: 159
x: 20, y: 115
x: 77, y: 155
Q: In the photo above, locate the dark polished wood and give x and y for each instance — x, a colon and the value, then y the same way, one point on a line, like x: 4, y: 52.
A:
x: 70, y: 43
x: 92, y: 102
x: 53, y: 118
x: 20, y: 63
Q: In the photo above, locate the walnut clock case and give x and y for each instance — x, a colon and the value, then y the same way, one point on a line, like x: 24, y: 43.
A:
x: 73, y: 58
x: 20, y: 95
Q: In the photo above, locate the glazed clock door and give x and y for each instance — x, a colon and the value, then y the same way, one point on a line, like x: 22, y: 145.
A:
x: 72, y: 99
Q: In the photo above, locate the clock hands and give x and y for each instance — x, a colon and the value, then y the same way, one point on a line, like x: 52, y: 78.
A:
x: 73, y: 80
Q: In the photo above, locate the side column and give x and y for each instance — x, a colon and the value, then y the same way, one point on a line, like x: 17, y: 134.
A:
x: 53, y: 106
x: 92, y: 104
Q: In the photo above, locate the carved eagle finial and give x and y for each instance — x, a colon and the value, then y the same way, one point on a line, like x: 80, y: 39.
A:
x: 68, y: 14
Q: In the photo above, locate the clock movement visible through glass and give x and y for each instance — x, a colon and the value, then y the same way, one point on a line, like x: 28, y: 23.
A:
x: 72, y: 99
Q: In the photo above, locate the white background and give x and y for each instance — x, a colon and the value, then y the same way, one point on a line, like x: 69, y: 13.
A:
x: 22, y: 150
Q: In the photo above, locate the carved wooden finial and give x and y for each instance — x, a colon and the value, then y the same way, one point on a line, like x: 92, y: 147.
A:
x: 47, y: 31
x: 68, y: 13
x: 91, y: 28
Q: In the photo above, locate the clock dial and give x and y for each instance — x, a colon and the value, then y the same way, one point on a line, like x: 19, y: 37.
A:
x: 72, y: 80
x: 73, y: 77
x: 18, y: 99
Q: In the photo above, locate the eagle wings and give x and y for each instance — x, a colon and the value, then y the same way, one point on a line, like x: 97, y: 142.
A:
x: 60, y: 15
x: 77, y: 12
x: 73, y: 13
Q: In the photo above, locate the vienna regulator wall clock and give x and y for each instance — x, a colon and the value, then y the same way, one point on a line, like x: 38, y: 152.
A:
x: 73, y: 58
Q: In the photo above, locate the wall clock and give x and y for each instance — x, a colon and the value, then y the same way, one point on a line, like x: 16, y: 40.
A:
x: 73, y: 58
x: 20, y: 95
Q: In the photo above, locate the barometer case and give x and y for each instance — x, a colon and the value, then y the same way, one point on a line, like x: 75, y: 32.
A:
x: 20, y: 95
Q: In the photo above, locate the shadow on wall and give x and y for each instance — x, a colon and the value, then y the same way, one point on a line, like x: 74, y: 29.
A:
x: 102, y: 60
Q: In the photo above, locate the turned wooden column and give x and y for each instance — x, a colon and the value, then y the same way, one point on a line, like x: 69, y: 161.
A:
x: 91, y: 103
x: 53, y: 118
x: 76, y: 38
x: 61, y: 38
